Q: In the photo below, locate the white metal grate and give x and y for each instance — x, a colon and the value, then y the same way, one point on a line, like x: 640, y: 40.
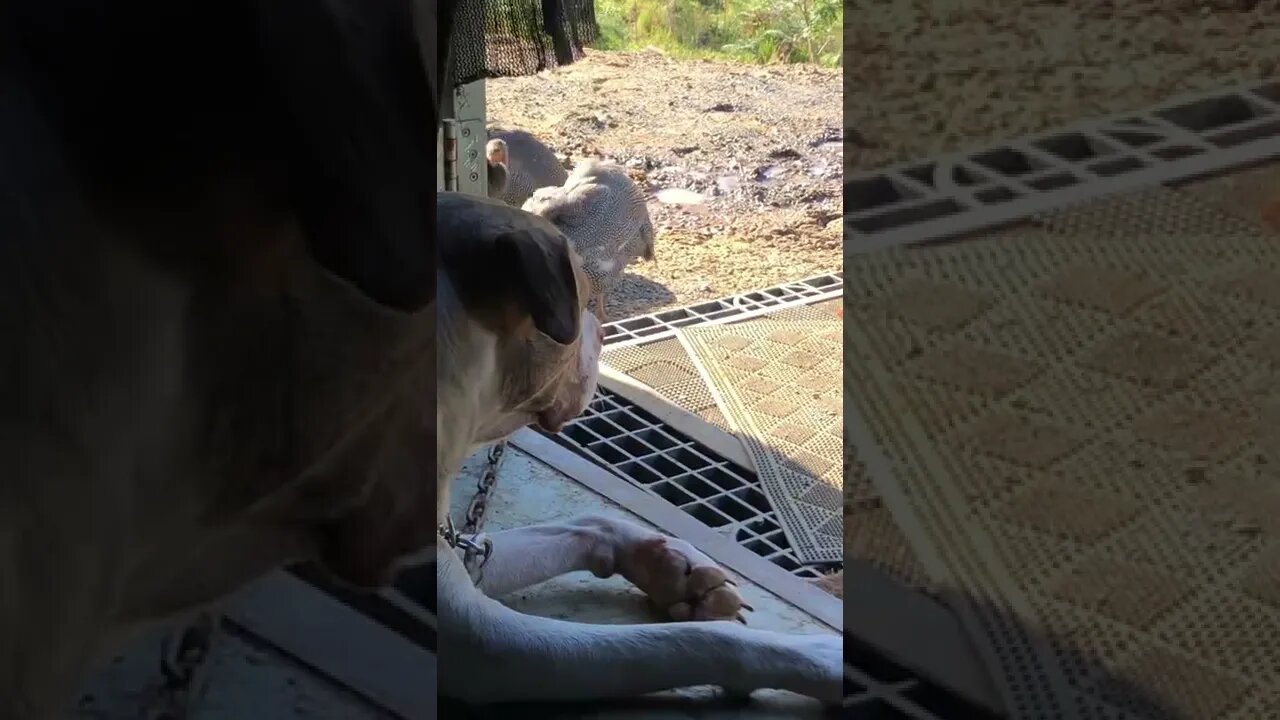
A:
x: 654, y: 326
x: 959, y: 194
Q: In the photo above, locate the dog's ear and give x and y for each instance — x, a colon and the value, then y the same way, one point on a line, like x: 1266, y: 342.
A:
x: 537, y: 264
x: 501, y: 259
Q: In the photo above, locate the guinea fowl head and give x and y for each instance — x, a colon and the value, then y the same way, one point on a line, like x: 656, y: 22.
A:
x: 496, y: 157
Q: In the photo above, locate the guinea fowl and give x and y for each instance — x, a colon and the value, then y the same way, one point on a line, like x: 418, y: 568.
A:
x: 520, y: 163
x: 603, y: 213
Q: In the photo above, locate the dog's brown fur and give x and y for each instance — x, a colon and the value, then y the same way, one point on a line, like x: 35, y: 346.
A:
x: 217, y: 318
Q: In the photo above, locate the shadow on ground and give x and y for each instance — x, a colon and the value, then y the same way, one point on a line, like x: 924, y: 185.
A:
x: 1112, y: 694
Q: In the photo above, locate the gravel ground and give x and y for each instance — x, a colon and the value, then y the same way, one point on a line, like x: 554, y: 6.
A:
x: 931, y: 76
x: 742, y: 164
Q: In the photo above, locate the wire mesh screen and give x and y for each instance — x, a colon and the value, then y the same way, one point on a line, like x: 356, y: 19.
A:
x: 497, y: 38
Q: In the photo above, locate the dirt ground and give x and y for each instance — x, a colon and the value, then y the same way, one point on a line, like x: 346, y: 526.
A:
x: 925, y: 77
x: 742, y: 164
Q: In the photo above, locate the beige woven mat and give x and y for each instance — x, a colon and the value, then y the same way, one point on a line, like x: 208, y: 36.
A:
x: 665, y: 367
x: 1253, y: 194
x: 1066, y: 420
x: 777, y: 383
x: 870, y: 532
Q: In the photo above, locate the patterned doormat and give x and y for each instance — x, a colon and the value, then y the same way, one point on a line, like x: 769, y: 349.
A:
x: 871, y: 534
x: 666, y: 368
x: 777, y: 384
x: 1066, y: 420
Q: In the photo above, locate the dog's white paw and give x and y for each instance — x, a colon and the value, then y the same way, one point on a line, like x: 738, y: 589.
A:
x: 678, y: 579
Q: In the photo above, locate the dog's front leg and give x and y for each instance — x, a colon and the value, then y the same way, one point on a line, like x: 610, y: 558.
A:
x: 679, y: 579
x: 529, y: 555
x: 490, y: 653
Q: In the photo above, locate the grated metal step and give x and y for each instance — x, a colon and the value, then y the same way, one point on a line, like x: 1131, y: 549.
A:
x: 1179, y: 140
x: 655, y: 326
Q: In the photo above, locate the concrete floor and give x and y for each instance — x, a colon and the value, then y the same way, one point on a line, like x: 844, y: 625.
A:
x: 529, y: 493
x: 248, y: 679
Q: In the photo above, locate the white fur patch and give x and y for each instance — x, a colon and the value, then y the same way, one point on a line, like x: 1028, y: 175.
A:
x: 589, y: 357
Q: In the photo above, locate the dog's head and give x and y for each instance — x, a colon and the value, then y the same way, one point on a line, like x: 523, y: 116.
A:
x: 519, y: 327
x: 514, y: 347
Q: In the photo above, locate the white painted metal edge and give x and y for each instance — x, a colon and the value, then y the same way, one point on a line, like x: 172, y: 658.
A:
x: 915, y: 632
x: 989, y: 217
x: 329, y: 637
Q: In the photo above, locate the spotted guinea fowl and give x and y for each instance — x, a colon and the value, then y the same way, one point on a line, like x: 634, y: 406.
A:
x: 520, y: 163
x: 495, y: 155
x: 603, y: 213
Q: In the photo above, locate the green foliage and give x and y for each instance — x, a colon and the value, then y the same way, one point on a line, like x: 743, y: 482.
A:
x: 760, y: 31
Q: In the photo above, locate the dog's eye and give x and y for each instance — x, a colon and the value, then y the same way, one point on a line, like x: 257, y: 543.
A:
x: 688, y: 567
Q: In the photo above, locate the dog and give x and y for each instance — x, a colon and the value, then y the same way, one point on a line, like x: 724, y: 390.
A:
x: 518, y: 347
x: 220, y: 318
x: 217, y: 309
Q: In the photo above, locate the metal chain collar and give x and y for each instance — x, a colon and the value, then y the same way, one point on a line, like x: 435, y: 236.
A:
x: 479, y: 504
x: 476, y: 548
